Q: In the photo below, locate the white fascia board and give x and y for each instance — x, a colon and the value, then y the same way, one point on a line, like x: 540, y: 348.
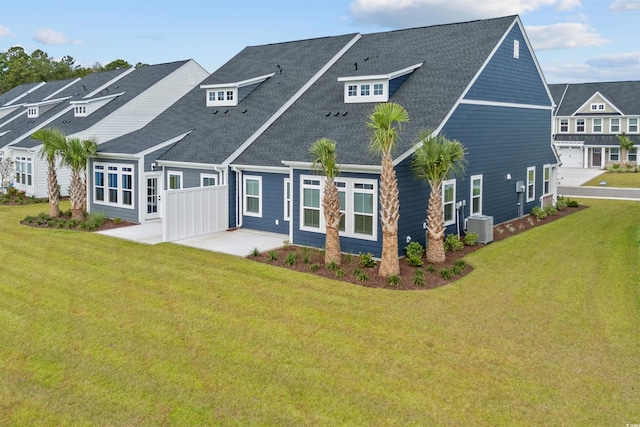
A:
x: 572, y: 143
x: 256, y: 168
x: 242, y: 83
x: 389, y: 76
x: 88, y: 101
x: 291, y: 101
x: 49, y: 102
x: 25, y: 93
x: 110, y: 82
x: 587, y: 102
x: 61, y: 89
x: 163, y: 144
x: 187, y: 165
x: 117, y: 156
x: 507, y: 104
x: 377, y: 169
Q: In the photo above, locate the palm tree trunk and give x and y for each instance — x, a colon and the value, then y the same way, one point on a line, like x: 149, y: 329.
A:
x: 623, y: 158
x: 435, y: 228
x: 331, y: 206
x: 77, y: 212
x: 389, y: 214
x: 54, y: 194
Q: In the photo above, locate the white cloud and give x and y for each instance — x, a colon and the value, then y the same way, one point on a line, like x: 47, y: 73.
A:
x: 624, y: 66
x: 621, y: 60
x: 4, y: 32
x: 563, y: 36
x: 405, y: 13
x: 47, y: 36
x: 624, y: 5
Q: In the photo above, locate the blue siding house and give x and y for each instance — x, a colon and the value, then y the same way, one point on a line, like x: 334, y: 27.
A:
x: 248, y: 128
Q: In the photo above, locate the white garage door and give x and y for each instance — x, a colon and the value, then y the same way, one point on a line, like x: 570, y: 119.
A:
x: 570, y: 156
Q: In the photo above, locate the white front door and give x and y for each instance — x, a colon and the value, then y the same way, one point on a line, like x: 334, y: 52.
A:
x: 154, y: 189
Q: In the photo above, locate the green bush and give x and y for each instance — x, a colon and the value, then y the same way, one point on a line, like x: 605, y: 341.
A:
x: 272, y: 256
x: 452, y: 243
x: 445, y: 273
x: 538, y: 212
x: 314, y: 266
x: 291, y: 259
x: 470, y: 238
x: 418, y: 277
x: 572, y: 203
x: 394, y: 280
x: 561, y: 203
x: 340, y: 273
x: 332, y: 266
x: 255, y: 252
x: 414, y: 254
x: 366, y: 260
x: 551, y: 210
x: 431, y: 268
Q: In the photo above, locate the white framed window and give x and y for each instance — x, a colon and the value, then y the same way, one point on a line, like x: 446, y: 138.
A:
x: 80, y: 111
x: 546, y: 179
x: 614, y: 125
x: 175, y: 180
x: 365, y: 90
x: 632, y: 125
x: 358, y: 204
x: 597, y: 107
x: 531, y: 184
x: 476, y: 195
x: 374, y: 90
x: 222, y: 97
x: 352, y: 90
x: 113, y: 185
x: 449, y: 201
x: 287, y: 199
x: 32, y: 112
x: 632, y: 154
x: 24, y: 167
x: 378, y: 89
x: 252, y: 196
x: 614, y: 154
x: 580, y: 125
x: 564, y: 125
x: 516, y: 49
x: 597, y: 125
x: 208, y: 180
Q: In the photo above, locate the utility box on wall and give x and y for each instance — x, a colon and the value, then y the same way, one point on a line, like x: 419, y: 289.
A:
x: 483, y: 225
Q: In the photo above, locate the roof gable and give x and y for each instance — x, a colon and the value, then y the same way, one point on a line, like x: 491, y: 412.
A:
x: 621, y: 95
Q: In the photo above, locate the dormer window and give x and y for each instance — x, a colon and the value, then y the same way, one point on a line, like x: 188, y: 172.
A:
x: 86, y: 107
x: 230, y: 94
x: 32, y: 112
x: 374, y: 88
x: 597, y: 107
x: 80, y: 111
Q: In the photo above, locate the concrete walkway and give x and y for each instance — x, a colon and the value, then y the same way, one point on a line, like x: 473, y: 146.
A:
x: 240, y: 242
x: 570, y: 182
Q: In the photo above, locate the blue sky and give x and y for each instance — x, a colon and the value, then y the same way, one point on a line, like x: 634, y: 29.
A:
x: 574, y: 40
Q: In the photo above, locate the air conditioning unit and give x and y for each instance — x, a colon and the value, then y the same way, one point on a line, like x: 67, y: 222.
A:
x: 483, y: 225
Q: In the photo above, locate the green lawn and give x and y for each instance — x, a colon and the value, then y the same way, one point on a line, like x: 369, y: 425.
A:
x: 100, y: 331
x: 619, y: 180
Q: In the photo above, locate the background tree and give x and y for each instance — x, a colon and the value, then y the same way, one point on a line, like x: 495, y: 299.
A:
x: 325, y: 162
x: 76, y: 154
x: 6, y: 172
x: 53, y: 142
x: 437, y: 159
x: 116, y: 65
x: 385, y: 124
x: 626, y: 144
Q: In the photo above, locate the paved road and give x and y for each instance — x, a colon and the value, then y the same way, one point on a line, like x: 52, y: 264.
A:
x: 600, y: 192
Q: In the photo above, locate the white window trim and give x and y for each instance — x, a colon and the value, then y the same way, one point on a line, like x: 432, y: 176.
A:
x: 245, y: 178
x: 629, y: 125
x: 26, y: 163
x: 593, y: 125
x: 516, y: 49
x: 560, y: 126
x: 32, y: 112
x: 349, y: 190
x: 359, y: 97
x: 175, y: 173
x: 546, y: 182
x: 287, y: 200
x: 597, y: 106
x: 453, y: 202
x: 210, y: 176
x: 471, y: 196
x: 611, y: 125
x: 531, y: 183
x: 633, y: 150
x: 105, y: 178
x: 584, y: 126
x: 611, y: 149
x: 80, y: 111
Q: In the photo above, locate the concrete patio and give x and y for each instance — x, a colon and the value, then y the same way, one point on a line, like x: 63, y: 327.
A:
x: 240, y: 242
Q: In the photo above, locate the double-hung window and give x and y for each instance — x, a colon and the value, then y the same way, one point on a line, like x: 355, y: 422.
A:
x: 614, y: 125
x: 342, y: 195
x: 208, y: 180
x: 175, y: 180
x: 632, y: 125
x: 476, y: 195
x: 23, y: 170
x: 363, y: 208
x: 546, y: 182
x: 564, y: 125
x: 287, y: 199
x: 448, y: 201
x: 252, y: 196
x: 614, y: 154
x: 580, y: 125
x: 311, y: 203
x: 113, y: 184
x: 632, y: 154
x: 531, y: 184
x: 597, y: 125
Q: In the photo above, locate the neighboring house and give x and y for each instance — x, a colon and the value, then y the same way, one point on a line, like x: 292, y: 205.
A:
x: 588, y: 118
x: 235, y: 151
x: 101, y: 106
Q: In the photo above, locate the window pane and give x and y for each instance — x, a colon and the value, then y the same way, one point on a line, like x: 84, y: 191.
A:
x: 253, y: 187
x: 126, y: 182
x: 476, y: 205
x: 311, y: 218
x: 113, y: 180
x: 311, y: 198
x: 126, y: 197
x: 113, y: 195
x: 363, y: 224
x: 476, y: 187
x: 253, y: 204
x: 448, y: 193
x: 363, y: 203
x: 100, y: 194
x: 99, y: 179
x: 448, y: 212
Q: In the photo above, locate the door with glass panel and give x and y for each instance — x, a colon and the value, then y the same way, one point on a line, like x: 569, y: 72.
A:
x: 154, y: 189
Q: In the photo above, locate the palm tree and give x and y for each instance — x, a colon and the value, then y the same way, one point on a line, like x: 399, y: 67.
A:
x: 385, y: 124
x: 325, y: 162
x: 437, y: 159
x: 76, y: 154
x: 626, y: 144
x: 53, y: 140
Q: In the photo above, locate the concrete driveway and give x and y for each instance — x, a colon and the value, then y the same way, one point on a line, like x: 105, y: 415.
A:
x: 240, y: 242
x: 570, y: 182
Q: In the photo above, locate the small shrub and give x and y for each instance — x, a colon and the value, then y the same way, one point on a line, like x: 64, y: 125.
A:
x: 272, y: 256
x: 255, y: 252
x: 445, y: 273
x: 332, y: 266
x: 348, y: 258
x: 511, y: 228
x: 306, y: 259
x: 470, y: 238
x: 340, y: 273
x: 291, y: 259
x: 117, y: 220
x: 418, y: 277
x: 286, y: 243
x: 394, y: 280
x: 572, y: 203
x: 460, y: 264
x: 361, y: 275
x: 453, y: 243
x: 366, y: 260
x: 561, y: 203
x: 431, y: 268
x: 538, y: 212
x: 551, y: 210
x: 414, y: 254
x: 314, y: 266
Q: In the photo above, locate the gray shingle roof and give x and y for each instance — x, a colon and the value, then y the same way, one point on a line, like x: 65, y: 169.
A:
x: 452, y: 55
x: 595, y: 140
x: 15, y: 92
x: 624, y: 95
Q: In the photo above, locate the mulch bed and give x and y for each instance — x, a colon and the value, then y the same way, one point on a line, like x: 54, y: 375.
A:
x: 407, y: 273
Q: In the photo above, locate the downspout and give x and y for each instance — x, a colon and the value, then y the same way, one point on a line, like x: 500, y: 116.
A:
x: 238, y: 196
x: 292, y: 213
